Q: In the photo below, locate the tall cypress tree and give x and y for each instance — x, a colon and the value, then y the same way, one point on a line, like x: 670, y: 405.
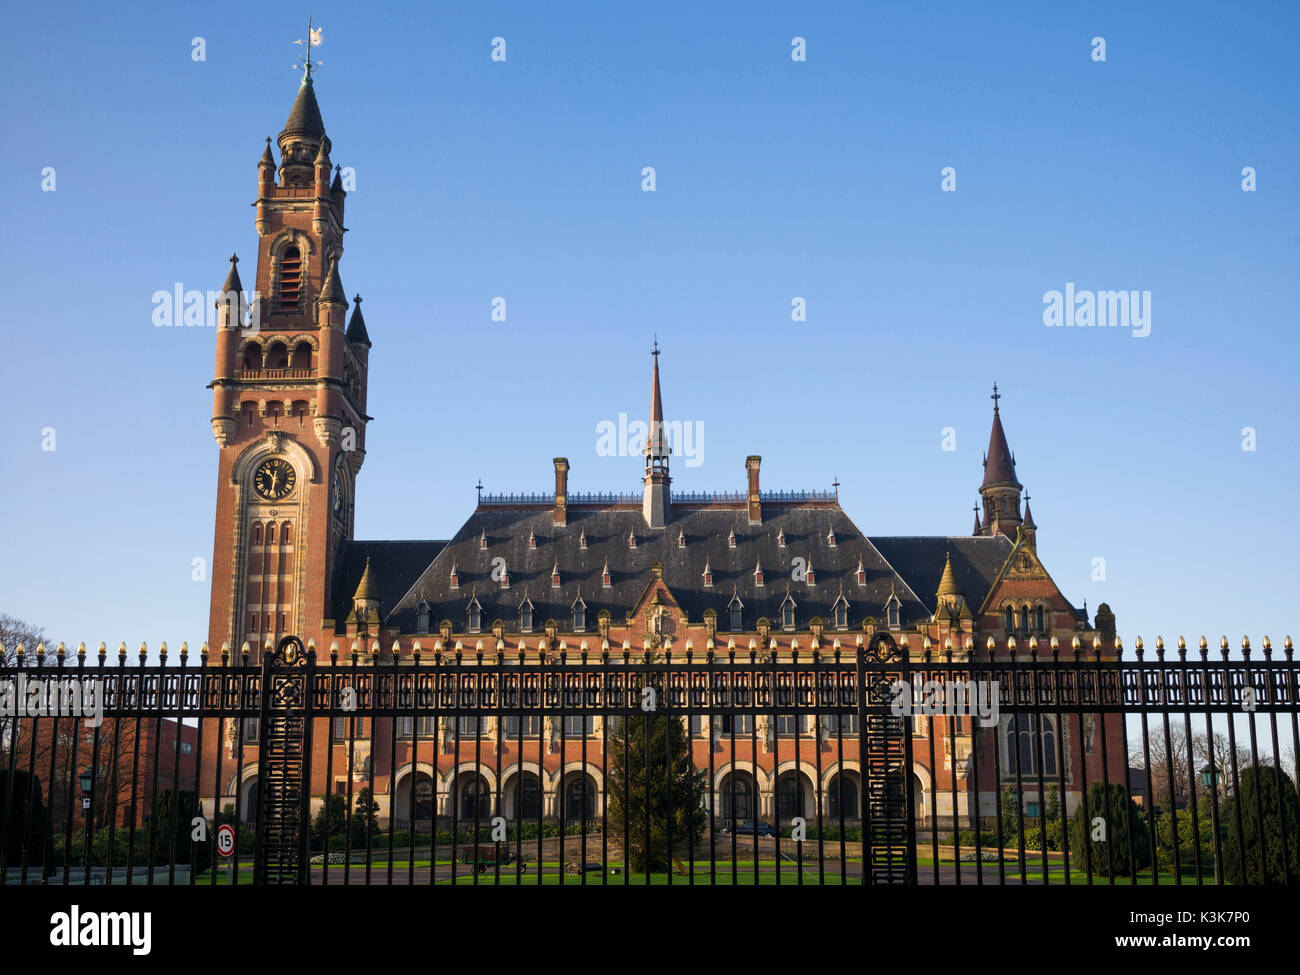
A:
x: 673, y: 795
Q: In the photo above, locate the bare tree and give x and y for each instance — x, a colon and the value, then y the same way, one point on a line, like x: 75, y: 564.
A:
x: 14, y: 631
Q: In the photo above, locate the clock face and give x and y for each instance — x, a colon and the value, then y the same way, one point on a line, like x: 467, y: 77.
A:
x: 274, y: 479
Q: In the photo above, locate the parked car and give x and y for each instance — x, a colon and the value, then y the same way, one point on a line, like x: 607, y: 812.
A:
x: 748, y: 828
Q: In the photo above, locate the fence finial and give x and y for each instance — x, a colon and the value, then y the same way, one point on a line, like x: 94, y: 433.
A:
x: 81, y: 650
x: 1137, y: 643
x: 1245, y: 642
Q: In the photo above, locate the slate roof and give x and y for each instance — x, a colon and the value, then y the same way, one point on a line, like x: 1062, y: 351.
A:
x: 919, y: 559
x: 706, y: 530
x: 304, y: 117
x: 394, y: 567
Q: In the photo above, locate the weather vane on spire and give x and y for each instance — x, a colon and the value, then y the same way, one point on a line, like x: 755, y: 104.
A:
x: 305, y: 62
x: 995, y: 397
x: 655, y: 350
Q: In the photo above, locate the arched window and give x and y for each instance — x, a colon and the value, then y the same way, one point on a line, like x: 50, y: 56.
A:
x: 1024, y: 619
x: 738, y: 798
x: 475, y: 797
x: 580, y: 799
x: 1021, y: 745
x: 841, y: 615
x: 526, y: 617
x: 423, y: 803
x: 842, y: 796
x: 289, y: 289
x: 1038, y: 620
x: 530, y: 798
x: 475, y: 616
x: 286, y: 534
x: 1009, y: 619
x: 790, y: 796
x: 270, y: 533
x: 257, y: 533
x: 301, y: 356
x: 277, y: 356
x: 252, y: 356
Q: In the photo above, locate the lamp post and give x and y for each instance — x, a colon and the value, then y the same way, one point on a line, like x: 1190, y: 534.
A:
x: 1210, y: 779
x: 87, y: 786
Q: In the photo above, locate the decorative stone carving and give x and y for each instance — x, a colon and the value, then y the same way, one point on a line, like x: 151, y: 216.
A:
x: 223, y: 429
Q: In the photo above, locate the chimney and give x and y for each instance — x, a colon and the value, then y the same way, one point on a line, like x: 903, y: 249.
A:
x: 755, y: 509
x: 561, y: 490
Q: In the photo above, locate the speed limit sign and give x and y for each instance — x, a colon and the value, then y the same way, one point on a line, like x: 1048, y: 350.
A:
x: 225, y: 839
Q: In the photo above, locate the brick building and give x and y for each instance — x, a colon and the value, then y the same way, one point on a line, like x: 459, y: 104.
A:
x: 785, y: 572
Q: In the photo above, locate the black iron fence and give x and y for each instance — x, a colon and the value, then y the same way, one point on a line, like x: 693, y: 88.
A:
x: 999, y: 764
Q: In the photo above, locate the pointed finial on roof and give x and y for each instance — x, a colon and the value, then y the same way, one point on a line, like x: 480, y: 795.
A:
x: 332, y: 290
x: 232, y: 284
x: 356, y: 333
x: 1029, y: 518
x: 267, y: 159
x: 367, y: 588
x: 995, y: 397
x: 948, y: 583
x: 976, y: 509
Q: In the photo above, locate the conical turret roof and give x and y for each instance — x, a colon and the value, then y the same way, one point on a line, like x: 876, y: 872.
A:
x: 356, y: 333
x: 999, y: 465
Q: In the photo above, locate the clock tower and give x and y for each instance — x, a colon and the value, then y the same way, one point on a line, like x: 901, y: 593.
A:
x: 289, y: 400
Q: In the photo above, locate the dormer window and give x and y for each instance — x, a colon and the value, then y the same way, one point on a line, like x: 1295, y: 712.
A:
x: 735, y: 609
x: 474, y: 612
x: 708, y: 575
x: 681, y: 539
x: 482, y: 541
x: 604, y: 576
x: 631, y: 539
x: 780, y: 538
x: 731, y: 539
x: 526, y: 615
x: 505, y: 575
x: 582, y: 540
x: 830, y: 538
x: 892, y: 609
x: 555, y: 575
x: 809, y: 576
x: 532, y: 539
x: 422, y: 614
x: 861, y: 573
x: 758, y: 574
x: 841, y: 613
x: 579, y: 615
x: 788, y: 608
x: 455, y: 577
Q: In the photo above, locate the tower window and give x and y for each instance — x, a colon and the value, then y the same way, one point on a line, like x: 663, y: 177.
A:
x: 301, y: 356
x: 252, y: 356
x: 289, y: 292
x: 277, y: 357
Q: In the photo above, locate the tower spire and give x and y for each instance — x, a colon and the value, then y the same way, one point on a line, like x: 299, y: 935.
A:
x: 657, y: 501
x: 1000, y: 489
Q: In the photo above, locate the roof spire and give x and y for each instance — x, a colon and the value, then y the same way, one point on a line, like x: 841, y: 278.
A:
x: 999, y: 464
x: 948, y: 582
x: 976, y: 509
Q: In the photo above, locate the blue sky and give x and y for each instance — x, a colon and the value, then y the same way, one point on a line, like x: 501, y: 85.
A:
x: 775, y: 180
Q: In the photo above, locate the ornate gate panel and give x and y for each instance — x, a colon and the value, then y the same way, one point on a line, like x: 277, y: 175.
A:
x: 283, y: 767
x: 888, y: 832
